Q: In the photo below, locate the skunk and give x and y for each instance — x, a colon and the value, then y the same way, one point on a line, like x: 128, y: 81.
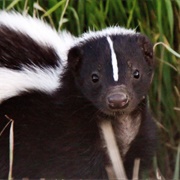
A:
x: 58, y: 90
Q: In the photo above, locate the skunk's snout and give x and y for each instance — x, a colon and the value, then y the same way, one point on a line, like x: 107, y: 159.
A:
x: 117, y: 101
x: 117, y: 98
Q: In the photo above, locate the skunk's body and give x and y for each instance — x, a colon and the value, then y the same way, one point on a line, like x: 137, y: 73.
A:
x: 57, y: 105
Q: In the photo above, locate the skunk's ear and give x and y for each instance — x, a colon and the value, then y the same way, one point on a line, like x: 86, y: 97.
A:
x: 74, y: 58
x: 147, y: 48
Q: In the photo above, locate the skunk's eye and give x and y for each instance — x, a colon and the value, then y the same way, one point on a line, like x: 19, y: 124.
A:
x: 95, y: 77
x: 136, y: 74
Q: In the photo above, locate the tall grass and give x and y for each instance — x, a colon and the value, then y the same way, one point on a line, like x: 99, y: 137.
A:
x: 160, y: 21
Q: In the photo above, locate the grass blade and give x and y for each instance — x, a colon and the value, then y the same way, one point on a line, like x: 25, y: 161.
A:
x: 177, y: 166
x: 76, y: 17
x: 11, y: 149
x: 170, y: 16
x: 168, y: 48
x: 12, y: 4
x: 47, y: 13
x: 62, y: 20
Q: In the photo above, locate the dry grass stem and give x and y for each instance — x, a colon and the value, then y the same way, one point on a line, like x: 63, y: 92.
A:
x: 11, y: 147
x: 136, y: 169
x: 113, y: 150
x: 159, y: 176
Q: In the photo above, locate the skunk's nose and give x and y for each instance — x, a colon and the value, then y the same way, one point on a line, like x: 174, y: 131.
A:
x: 117, y: 101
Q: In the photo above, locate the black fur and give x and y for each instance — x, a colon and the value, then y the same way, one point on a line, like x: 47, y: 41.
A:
x: 58, y: 136
x: 18, y: 49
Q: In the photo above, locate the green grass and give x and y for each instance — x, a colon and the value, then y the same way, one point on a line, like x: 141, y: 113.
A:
x: 160, y: 21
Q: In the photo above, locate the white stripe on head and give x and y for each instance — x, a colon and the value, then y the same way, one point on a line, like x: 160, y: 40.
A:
x: 114, y: 60
x: 109, y: 31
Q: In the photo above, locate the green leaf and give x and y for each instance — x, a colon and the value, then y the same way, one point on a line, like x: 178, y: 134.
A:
x: 159, y: 17
x: 51, y: 10
x: 170, y: 16
x: 76, y: 17
x: 12, y: 4
x: 178, y: 2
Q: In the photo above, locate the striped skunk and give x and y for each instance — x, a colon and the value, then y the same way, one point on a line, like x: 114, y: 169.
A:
x: 57, y: 89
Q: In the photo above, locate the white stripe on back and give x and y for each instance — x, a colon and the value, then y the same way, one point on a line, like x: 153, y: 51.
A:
x: 14, y: 82
x: 39, y: 31
x: 114, y: 59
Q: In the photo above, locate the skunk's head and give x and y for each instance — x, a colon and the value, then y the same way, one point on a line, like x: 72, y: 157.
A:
x: 113, y: 68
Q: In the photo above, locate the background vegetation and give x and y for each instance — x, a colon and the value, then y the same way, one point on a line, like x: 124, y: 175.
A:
x: 160, y: 21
